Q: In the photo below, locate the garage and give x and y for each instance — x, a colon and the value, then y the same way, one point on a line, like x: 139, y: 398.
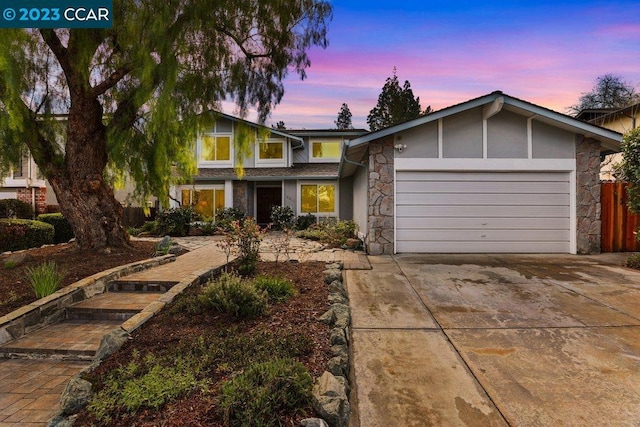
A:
x: 491, y: 212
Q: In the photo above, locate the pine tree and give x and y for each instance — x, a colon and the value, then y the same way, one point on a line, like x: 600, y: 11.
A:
x: 133, y: 94
x: 396, y: 104
x: 344, y: 118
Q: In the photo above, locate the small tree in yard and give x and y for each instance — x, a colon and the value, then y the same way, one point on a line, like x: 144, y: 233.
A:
x: 134, y: 95
x: 630, y: 167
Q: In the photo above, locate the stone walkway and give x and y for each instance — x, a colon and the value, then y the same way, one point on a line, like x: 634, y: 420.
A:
x: 30, y: 386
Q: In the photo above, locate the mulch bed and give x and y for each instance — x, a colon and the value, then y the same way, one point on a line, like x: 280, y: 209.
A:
x: 171, y: 329
x: 15, y: 290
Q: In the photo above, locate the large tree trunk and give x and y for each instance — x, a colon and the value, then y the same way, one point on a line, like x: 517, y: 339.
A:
x: 85, y: 199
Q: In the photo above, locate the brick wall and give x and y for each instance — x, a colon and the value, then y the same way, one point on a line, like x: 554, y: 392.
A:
x: 24, y: 194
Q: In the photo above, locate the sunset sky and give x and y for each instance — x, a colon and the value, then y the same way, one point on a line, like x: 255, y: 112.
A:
x: 546, y: 52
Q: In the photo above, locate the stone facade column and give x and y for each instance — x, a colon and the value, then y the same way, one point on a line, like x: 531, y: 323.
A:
x: 241, y: 195
x: 588, y: 207
x: 381, y: 204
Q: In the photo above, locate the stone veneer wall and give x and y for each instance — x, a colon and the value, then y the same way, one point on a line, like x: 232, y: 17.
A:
x: 588, y: 207
x: 241, y: 195
x: 381, y: 204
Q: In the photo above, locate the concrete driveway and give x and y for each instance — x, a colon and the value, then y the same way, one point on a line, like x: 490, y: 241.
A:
x: 482, y: 340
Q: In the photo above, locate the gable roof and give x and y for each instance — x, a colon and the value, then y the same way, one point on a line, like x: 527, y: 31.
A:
x: 255, y: 125
x: 609, y: 139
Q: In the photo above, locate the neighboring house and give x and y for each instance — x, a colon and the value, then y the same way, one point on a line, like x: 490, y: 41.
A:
x: 617, y: 119
x: 493, y: 174
x: 295, y: 168
x: 25, y: 183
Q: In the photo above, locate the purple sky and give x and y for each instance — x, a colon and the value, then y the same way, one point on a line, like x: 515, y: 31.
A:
x: 545, y: 52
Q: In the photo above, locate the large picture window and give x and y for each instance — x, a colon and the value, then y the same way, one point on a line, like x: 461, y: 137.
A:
x: 325, y: 150
x: 216, y: 148
x: 206, y: 202
x: 318, y: 199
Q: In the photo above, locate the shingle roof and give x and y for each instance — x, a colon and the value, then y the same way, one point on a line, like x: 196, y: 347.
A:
x: 299, y: 171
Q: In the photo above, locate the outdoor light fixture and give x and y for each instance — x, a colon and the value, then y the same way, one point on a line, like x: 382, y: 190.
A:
x: 400, y: 147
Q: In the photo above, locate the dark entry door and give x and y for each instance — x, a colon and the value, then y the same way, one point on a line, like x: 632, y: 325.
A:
x: 267, y: 198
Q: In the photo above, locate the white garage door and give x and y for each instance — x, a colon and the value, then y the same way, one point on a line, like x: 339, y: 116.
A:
x: 467, y: 212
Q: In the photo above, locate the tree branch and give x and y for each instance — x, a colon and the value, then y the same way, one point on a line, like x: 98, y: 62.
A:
x: 111, y: 81
x: 51, y: 39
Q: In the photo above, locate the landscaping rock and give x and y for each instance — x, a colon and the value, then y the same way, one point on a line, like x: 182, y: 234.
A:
x: 334, y: 266
x: 337, y: 298
x: 338, y: 337
x: 338, y: 366
x: 331, y: 275
x: 352, y: 243
x: 16, y: 259
x: 336, y: 287
x: 75, y: 396
x: 163, y: 245
x: 111, y: 342
x: 62, y: 421
x: 340, y: 350
x: 314, y: 422
x: 342, y: 315
x: 329, y: 399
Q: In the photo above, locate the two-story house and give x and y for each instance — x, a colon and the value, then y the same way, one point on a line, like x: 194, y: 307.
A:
x: 295, y: 168
x: 25, y: 183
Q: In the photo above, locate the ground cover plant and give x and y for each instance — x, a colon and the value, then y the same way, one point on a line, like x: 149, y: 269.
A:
x: 227, y: 369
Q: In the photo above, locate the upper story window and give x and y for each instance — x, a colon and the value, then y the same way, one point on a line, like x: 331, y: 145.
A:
x: 325, y: 151
x: 271, y: 152
x: 215, y: 148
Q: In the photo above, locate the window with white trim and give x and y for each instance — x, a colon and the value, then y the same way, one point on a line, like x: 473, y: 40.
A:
x: 320, y: 199
x: 205, y: 201
x: 271, y: 152
x: 325, y: 151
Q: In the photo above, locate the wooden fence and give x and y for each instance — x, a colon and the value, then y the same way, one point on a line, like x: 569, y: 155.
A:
x: 618, y: 224
x: 135, y: 217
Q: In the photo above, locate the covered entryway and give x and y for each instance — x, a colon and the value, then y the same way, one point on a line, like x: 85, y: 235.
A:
x: 482, y: 211
x: 266, y: 198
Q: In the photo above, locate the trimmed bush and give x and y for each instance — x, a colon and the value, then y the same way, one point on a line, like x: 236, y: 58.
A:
x: 232, y: 294
x: 265, y: 392
x: 175, y: 221
x: 277, y: 288
x: 18, y: 234
x: 63, y: 231
x: 282, y: 217
x: 305, y: 221
x: 634, y: 261
x: 14, y: 208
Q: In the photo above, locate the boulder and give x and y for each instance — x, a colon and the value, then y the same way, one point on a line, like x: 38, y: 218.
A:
x: 338, y: 315
x: 334, y: 266
x: 332, y: 275
x: 329, y: 399
x: 75, y: 396
x: 111, y: 342
x: 314, y: 422
x: 337, y: 287
x: 16, y: 259
x: 338, y: 337
x: 338, y: 366
x: 163, y: 245
x: 352, y: 243
x: 337, y: 298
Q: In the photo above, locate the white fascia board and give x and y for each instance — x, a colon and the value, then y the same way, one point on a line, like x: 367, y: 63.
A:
x: 576, y: 124
x: 431, y: 164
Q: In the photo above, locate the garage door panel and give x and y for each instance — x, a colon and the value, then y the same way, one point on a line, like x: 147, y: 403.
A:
x: 483, y: 247
x: 486, y: 176
x: 482, y: 223
x: 483, y: 235
x: 455, y: 187
x: 483, y: 212
x: 484, y: 199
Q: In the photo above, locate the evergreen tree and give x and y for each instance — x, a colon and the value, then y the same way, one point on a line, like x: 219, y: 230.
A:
x: 280, y: 125
x: 396, y: 104
x: 133, y: 94
x: 344, y: 118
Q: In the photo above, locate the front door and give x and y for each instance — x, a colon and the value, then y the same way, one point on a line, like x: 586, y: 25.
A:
x: 266, y: 199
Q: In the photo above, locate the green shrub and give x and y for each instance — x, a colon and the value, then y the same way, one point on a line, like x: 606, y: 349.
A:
x: 63, y: 231
x: 148, y: 383
x: 634, y: 261
x: 248, y: 235
x: 265, y: 392
x: 45, y: 279
x: 175, y: 221
x: 282, y: 217
x: 14, y: 208
x: 276, y: 288
x: 226, y: 217
x: 18, y: 234
x: 305, y: 221
x: 330, y: 231
x: 232, y: 294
